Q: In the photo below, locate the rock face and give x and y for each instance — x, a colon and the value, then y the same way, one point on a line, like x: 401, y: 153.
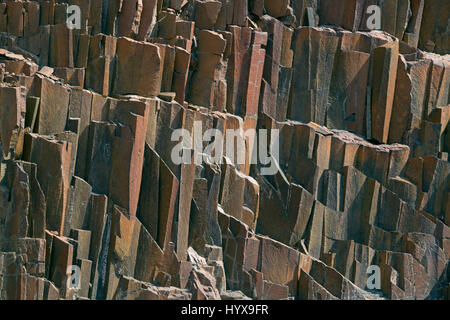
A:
x: 94, y: 206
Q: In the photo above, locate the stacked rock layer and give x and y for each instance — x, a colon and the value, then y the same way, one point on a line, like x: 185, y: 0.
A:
x: 89, y: 191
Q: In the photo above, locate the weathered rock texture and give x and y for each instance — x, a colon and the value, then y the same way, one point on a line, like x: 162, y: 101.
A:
x: 87, y: 179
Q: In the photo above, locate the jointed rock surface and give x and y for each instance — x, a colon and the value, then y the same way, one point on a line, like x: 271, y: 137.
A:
x: 87, y: 177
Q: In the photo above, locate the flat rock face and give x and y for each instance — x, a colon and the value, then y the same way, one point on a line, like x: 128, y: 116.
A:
x: 348, y: 199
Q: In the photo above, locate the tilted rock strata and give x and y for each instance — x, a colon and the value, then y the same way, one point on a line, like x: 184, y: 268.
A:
x: 87, y: 178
